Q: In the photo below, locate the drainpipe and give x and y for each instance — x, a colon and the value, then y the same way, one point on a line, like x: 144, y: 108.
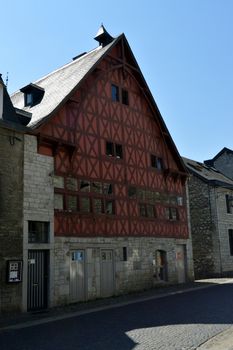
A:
x: 217, y: 226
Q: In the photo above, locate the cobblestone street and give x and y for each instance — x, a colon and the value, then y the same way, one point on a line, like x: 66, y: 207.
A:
x: 176, y: 322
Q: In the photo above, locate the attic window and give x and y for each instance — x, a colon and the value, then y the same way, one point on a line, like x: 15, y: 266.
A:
x: 33, y: 94
x: 28, y: 99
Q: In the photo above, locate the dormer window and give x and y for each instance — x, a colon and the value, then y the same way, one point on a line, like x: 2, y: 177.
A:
x: 33, y: 95
x: 28, y: 99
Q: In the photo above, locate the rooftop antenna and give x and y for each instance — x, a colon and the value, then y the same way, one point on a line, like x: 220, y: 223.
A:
x: 7, y: 78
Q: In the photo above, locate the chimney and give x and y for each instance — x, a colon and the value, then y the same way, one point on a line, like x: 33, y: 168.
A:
x: 1, y: 96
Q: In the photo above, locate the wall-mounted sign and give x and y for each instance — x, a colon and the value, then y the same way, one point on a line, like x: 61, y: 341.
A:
x: 14, y: 271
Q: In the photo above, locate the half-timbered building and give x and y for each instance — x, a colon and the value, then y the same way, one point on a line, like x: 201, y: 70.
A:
x: 105, y: 206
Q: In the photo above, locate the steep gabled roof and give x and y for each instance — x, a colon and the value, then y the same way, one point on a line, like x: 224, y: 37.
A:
x: 210, y: 162
x: 62, y: 83
x: 208, y: 174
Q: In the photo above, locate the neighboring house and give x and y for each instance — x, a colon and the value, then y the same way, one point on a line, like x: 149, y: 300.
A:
x: 104, y: 187
x: 211, y: 216
x: 223, y: 162
x: 12, y: 131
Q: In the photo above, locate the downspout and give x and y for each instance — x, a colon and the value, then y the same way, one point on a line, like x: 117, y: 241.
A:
x: 217, y: 226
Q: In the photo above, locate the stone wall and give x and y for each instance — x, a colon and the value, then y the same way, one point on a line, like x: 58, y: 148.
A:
x: 37, y: 204
x: 138, y: 272
x: 202, y: 227
x: 224, y: 222
x: 224, y: 163
x: 11, y: 232
x: 210, y: 223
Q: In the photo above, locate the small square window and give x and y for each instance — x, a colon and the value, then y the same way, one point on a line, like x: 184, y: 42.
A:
x: 132, y: 192
x: 58, y: 181
x: 156, y: 162
x: 228, y: 203
x: 125, y: 97
x: 115, y: 93
x: 71, y: 183
x: 38, y: 232
x: 150, y: 211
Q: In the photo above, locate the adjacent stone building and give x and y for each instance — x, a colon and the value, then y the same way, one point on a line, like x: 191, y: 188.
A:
x: 12, y: 131
x: 223, y: 162
x: 211, y: 216
x: 103, y: 187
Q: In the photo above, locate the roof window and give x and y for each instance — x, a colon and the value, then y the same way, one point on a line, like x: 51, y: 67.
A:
x: 33, y: 95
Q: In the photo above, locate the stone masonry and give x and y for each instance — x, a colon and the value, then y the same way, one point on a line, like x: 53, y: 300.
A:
x: 11, y: 231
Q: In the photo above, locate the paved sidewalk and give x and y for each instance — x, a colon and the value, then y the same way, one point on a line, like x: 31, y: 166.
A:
x: 34, y: 318
x: 222, y: 341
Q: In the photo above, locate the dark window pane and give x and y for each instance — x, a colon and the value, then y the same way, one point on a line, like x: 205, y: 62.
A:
x: 228, y: 204
x: 119, y: 152
x: 125, y: 97
x: 124, y: 253
x: 38, y: 232
x: 28, y: 99
x: 84, y: 204
x: 84, y: 186
x: 109, y: 149
x: 153, y: 161
x: 115, y: 93
x: 230, y: 232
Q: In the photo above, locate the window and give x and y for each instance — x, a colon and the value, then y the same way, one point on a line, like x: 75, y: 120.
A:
x: 146, y: 210
x: 28, y: 99
x: 84, y: 186
x: 38, y: 232
x: 156, y: 162
x: 228, y: 203
x: 97, y: 205
x: 58, y: 201
x: 58, y: 181
x: 72, y: 203
x: 125, y: 97
x: 85, y: 205
x: 124, y: 253
x: 119, y: 153
x: 230, y: 233
x: 109, y: 207
x: 71, y: 183
x: 114, y: 150
x: 108, y: 188
x: 119, y: 95
x: 171, y: 214
x: 115, y: 93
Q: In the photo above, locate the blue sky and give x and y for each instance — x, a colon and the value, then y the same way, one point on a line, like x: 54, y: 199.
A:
x: 184, y: 49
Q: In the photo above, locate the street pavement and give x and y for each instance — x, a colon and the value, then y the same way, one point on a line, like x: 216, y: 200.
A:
x: 178, y: 321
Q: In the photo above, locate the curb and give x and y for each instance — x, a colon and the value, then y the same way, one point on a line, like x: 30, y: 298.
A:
x: 221, y: 341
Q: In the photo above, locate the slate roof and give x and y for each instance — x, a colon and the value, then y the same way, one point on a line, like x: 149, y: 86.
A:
x: 207, y: 173
x: 60, y: 84
x: 210, y: 162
